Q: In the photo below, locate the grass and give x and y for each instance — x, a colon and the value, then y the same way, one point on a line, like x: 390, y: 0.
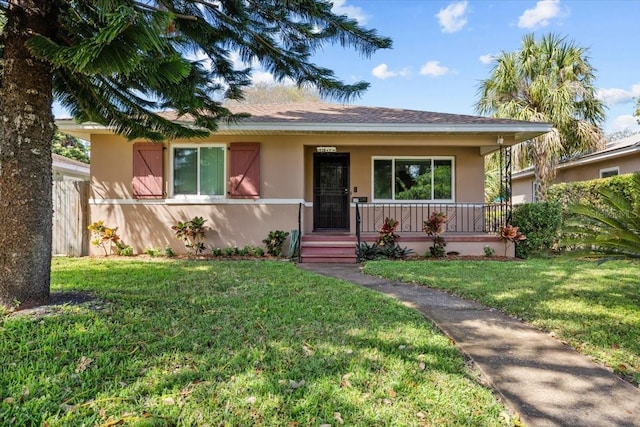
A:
x: 181, y: 343
x: 595, y: 308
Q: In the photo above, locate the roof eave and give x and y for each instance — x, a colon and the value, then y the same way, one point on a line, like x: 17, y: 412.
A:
x: 521, y: 132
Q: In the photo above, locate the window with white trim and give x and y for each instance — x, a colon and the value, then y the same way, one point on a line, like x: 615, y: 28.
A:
x: 413, y: 178
x: 535, y: 185
x: 606, y: 173
x: 198, y: 170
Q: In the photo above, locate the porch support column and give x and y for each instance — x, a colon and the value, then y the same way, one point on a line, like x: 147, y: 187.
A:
x: 505, y: 183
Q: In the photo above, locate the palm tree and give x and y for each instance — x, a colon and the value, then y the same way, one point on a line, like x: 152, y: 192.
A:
x: 547, y: 81
x: 117, y: 62
x: 611, y: 228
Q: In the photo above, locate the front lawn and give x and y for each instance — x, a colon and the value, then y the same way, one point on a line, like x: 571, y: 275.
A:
x: 595, y: 308
x: 230, y: 344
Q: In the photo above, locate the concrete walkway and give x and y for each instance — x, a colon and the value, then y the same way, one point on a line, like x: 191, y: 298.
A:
x: 546, y: 382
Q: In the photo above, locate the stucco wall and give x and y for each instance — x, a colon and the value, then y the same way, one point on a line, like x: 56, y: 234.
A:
x: 522, y: 188
x: 286, y: 174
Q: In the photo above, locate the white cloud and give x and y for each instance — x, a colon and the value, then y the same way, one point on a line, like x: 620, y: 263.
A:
x: 434, y: 69
x: 354, y: 12
x: 540, y: 15
x: 488, y: 58
x: 615, y: 96
x: 382, y: 71
x: 626, y: 121
x: 452, y: 18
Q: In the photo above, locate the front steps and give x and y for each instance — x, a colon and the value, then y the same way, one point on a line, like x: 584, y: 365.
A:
x: 330, y: 248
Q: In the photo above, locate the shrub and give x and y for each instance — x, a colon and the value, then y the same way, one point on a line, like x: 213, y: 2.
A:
x: 367, y: 252
x: 192, y: 234
x: 387, y: 233
x: 216, y: 252
x: 590, y: 192
x: 153, y: 252
x: 610, y: 228
x: 489, y: 251
x: 541, y: 223
x: 168, y: 252
x: 510, y: 234
x: 104, y: 237
x: 274, y: 242
x: 124, y: 250
x: 435, y: 226
x: 395, y: 251
x: 253, y: 251
x: 230, y: 251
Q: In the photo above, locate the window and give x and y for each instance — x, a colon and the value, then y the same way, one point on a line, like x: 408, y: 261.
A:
x: 198, y: 170
x: 534, y: 191
x: 606, y: 173
x: 414, y: 178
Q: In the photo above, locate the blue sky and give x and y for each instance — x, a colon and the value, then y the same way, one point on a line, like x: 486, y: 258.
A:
x: 442, y: 48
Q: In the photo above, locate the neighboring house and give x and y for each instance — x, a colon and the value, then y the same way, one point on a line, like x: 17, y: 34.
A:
x: 65, y: 169
x: 330, y: 171
x: 617, y: 158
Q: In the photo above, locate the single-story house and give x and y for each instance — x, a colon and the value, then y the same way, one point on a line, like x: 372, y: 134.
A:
x: 65, y: 169
x: 331, y: 172
x: 617, y: 158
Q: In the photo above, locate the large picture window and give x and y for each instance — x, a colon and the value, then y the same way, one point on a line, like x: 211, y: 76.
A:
x: 198, y: 170
x: 413, y: 178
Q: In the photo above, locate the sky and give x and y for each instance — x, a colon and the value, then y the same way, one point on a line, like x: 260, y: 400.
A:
x: 443, y: 49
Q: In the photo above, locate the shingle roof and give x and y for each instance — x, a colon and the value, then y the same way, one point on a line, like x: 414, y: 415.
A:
x: 325, y: 118
x: 321, y: 112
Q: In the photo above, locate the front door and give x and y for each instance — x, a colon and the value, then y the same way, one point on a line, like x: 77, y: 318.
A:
x: 331, y: 191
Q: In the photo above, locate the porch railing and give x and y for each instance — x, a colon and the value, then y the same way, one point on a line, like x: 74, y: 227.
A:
x: 461, y: 217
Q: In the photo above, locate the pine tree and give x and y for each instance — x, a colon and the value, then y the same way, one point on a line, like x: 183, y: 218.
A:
x: 117, y: 62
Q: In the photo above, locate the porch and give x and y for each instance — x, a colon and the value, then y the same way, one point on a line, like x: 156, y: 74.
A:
x: 469, y: 228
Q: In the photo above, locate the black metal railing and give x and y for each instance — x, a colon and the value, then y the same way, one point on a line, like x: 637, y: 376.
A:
x: 461, y: 217
x: 358, y: 227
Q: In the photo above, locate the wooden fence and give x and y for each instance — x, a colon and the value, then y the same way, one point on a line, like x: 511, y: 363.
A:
x: 70, y: 218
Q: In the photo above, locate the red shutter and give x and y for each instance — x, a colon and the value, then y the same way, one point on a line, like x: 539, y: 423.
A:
x: 147, y: 170
x: 244, y: 173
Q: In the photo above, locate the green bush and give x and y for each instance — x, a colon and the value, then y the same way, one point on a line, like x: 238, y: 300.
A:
x: 541, y: 224
x: 274, y: 242
x: 589, y: 192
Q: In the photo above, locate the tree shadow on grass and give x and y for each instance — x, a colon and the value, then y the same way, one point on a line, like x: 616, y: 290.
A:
x: 185, y: 343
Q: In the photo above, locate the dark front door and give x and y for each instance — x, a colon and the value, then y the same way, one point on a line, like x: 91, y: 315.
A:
x: 331, y: 191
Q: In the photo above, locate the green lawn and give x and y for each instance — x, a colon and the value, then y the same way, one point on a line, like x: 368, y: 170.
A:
x: 231, y: 343
x: 595, y: 308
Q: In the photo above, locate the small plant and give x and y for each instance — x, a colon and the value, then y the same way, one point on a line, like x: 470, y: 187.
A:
x: 153, y: 252
x: 168, y: 252
x: 192, y: 234
x: 435, y: 226
x: 395, y: 252
x: 253, y: 251
x: 217, y: 252
x: 274, y: 242
x: 124, y: 250
x: 104, y: 237
x: 510, y: 234
x: 387, y: 233
x: 367, y: 252
x: 489, y: 251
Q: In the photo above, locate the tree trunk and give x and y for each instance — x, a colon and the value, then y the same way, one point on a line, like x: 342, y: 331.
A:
x: 26, y: 132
